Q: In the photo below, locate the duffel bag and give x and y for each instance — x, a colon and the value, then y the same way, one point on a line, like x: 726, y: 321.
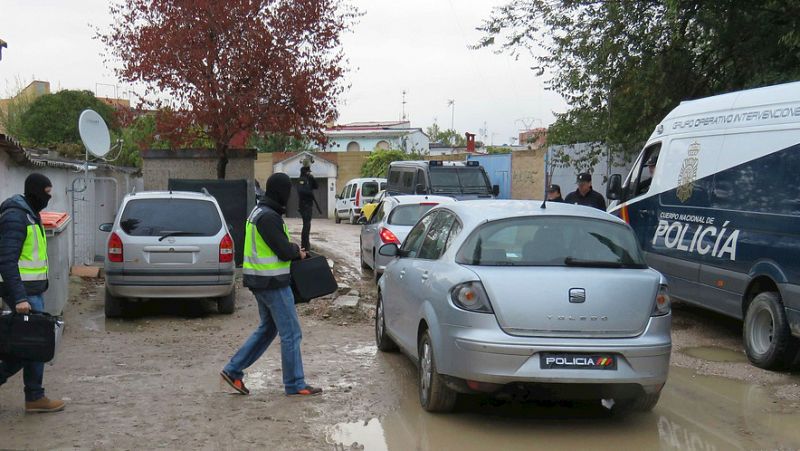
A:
x: 32, y: 337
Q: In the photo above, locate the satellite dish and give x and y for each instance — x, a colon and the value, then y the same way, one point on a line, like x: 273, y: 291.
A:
x: 94, y: 133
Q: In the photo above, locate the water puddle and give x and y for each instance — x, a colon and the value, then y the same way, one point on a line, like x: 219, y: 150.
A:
x: 695, y: 413
x: 716, y: 354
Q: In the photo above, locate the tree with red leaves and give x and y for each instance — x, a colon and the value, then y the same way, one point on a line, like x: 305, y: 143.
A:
x: 228, y: 67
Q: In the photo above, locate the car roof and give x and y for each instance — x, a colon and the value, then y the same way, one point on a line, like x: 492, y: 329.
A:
x: 473, y: 212
x: 170, y: 195
x: 365, y: 179
x: 416, y: 199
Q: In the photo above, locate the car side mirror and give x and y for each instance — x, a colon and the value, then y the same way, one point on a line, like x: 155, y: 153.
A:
x: 106, y: 227
x: 389, y: 250
x: 614, y: 188
x: 495, y: 190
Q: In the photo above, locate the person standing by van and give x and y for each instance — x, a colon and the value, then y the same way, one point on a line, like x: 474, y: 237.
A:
x: 585, y: 195
x: 305, y: 190
x: 23, y: 277
x: 267, y: 260
x: 554, y: 193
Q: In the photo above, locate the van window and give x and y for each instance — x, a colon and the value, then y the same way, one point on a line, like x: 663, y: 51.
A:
x: 394, y: 177
x: 343, y: 195
x: 462, y: 180
x: 383, y: 186
x: 763, y: 185
x: 421, y: 181
x: 408, y: 181
x: 352, y: 192
x: 154, y: 217
x: 369, y: 189
x: 641, y: 184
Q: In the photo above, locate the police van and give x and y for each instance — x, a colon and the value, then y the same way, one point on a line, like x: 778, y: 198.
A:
x: 714, y: 200
x: 462, y: 180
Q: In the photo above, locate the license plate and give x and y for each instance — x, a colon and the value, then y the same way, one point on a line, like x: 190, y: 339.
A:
x: 566, y: 361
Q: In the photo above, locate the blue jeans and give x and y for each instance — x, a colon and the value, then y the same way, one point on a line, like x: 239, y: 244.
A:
x: 32, y: 372
x: 278, y: 316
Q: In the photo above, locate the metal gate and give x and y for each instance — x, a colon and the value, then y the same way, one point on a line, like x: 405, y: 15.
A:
x: 94, y: 201
x: 498, y: 168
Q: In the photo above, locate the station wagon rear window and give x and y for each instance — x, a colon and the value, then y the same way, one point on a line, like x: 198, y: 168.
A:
x: 552, y: 241
x: 155, y: 217
x: 408, y: 215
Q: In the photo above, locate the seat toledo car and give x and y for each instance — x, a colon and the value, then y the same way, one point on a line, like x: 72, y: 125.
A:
x: 508, y: 297
x: 392, y: 221
x: 169, y: 245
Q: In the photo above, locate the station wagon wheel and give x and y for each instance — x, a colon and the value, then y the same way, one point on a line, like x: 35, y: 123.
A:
x: 114, y: 306
x: 382, y: 339
x: 768, y: 339
x: 434, y: 394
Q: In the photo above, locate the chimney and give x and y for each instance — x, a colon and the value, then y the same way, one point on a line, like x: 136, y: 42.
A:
x: 470, y: 142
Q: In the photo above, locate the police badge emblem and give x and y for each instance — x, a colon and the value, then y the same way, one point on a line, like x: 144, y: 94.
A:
x: 688, y: 173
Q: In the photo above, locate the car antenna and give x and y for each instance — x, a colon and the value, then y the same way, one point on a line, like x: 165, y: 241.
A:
x: 544, y: 202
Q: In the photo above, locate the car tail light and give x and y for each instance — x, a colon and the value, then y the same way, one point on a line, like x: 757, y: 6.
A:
x: 429, y: 203
x: 388, y: 237
x: 226, y: 249
x: 663, y: 302
x: 358, y: 197
x: 472, y: 297
x: 115, y: 252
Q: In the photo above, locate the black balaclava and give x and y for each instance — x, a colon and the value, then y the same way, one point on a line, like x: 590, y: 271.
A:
x: 279, y: 187
x: 35, y: 195
x: 305, y: 170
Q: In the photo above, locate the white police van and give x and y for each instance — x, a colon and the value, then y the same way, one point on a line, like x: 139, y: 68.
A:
x: 719, y: 212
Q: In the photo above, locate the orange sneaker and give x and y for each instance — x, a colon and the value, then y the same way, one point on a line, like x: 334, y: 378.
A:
x: 307, y: 391
x: 237, y: 384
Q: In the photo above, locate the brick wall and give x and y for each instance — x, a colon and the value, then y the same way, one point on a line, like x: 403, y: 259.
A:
x: 158, y: 166
x: 263, y: 167
x: 527, y: 174
x: 349, y: 164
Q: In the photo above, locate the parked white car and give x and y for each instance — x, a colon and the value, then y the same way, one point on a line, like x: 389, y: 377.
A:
x: 355, y: 194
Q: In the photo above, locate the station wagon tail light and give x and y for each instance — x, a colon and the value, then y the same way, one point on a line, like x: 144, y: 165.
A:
x: 358, y: 197
x: 663, y: 303
x: 471, y: 297
x: 115, y: 252
x: 226, y: 249
x: 429, y: 203
x: 388, y: 237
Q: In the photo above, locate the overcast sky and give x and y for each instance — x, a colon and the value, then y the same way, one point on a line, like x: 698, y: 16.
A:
x: 415, y: 45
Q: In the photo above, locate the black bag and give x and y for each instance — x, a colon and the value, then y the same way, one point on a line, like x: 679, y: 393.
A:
x: 31, y: 337
x: 312, y: 278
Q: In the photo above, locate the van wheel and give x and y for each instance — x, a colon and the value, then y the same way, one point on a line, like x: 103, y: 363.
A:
x: 434, y: 395
x: 336, y: 217
x: 353, y: 219
x: 227, y: 304
x: 382, y: 339
x: 768, y: 340
x: 114, y: 306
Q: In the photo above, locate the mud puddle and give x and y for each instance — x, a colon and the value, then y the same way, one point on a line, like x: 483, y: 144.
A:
x: 716, y: 354
x: 695, y: 413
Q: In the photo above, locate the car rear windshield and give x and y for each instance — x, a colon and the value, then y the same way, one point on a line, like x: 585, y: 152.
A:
x: 465, y: 180
x: 369, y: 189
x: 155, y: 217
x: 408, y: 215
x: 553, y: 241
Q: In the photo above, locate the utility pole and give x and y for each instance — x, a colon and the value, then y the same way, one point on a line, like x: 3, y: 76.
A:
x: 404, y: 105
x: 3, y: 45
x: 452, y: 104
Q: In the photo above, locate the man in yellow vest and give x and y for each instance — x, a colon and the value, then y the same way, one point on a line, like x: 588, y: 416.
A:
x: 23, y: 277
x: 268, y: 254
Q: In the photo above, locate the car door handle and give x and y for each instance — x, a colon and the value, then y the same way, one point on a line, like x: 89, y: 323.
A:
x: 402, y: 273
x: 424, y: 276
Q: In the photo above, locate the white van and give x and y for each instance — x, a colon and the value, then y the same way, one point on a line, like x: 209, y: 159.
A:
x: 714, y: 201
x: 355, y: 194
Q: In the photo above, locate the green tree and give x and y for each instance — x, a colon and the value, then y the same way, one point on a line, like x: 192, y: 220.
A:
x: 278, y: 142
x: 623, y: 65
x: 52, y: 119
x: 449, y: 136
x: 377, y: 164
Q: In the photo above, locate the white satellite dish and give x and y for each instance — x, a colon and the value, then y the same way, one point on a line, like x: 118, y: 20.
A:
x: 94, y: 133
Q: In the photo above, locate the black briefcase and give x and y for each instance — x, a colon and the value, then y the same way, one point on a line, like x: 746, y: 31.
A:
x: 32, y: 337
x: 312, y: 278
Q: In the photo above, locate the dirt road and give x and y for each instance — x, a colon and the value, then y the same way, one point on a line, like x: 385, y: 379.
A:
x: 151, y: 381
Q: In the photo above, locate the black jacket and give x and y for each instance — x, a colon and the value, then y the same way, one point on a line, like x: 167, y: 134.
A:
x: 305, y: 190
x: 270, y: 227
x: 591, y: 199
x: 14, y: 214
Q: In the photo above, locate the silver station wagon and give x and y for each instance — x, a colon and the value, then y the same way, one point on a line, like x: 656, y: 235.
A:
x: 507, y: 297
x: 169, y: 245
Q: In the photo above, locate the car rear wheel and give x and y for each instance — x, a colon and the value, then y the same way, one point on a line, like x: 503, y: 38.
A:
x: 434, y: 395
x: 114, y: 306
x: 768, y: 339
x: 382, y: 339
x: 227, y: 304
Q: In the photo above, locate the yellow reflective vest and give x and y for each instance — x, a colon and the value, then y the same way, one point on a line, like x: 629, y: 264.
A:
x: 33, y: 258
x: 259, y: 259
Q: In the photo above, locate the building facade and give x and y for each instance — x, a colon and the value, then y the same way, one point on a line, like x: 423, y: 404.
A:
x: 369, y: 136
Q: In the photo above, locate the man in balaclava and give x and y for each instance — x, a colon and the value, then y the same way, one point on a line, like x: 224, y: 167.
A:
x: 23, y: 277
x: 268, y: 254
x: 306, y: 186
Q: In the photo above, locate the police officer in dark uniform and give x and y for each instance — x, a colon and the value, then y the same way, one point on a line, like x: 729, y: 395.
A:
x: 305, y: 190
x: 585, y: 195
x: 554, y: 193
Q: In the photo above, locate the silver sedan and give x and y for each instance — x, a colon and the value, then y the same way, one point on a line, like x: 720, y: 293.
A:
x: 390, y: 223
x: 507, y: 297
